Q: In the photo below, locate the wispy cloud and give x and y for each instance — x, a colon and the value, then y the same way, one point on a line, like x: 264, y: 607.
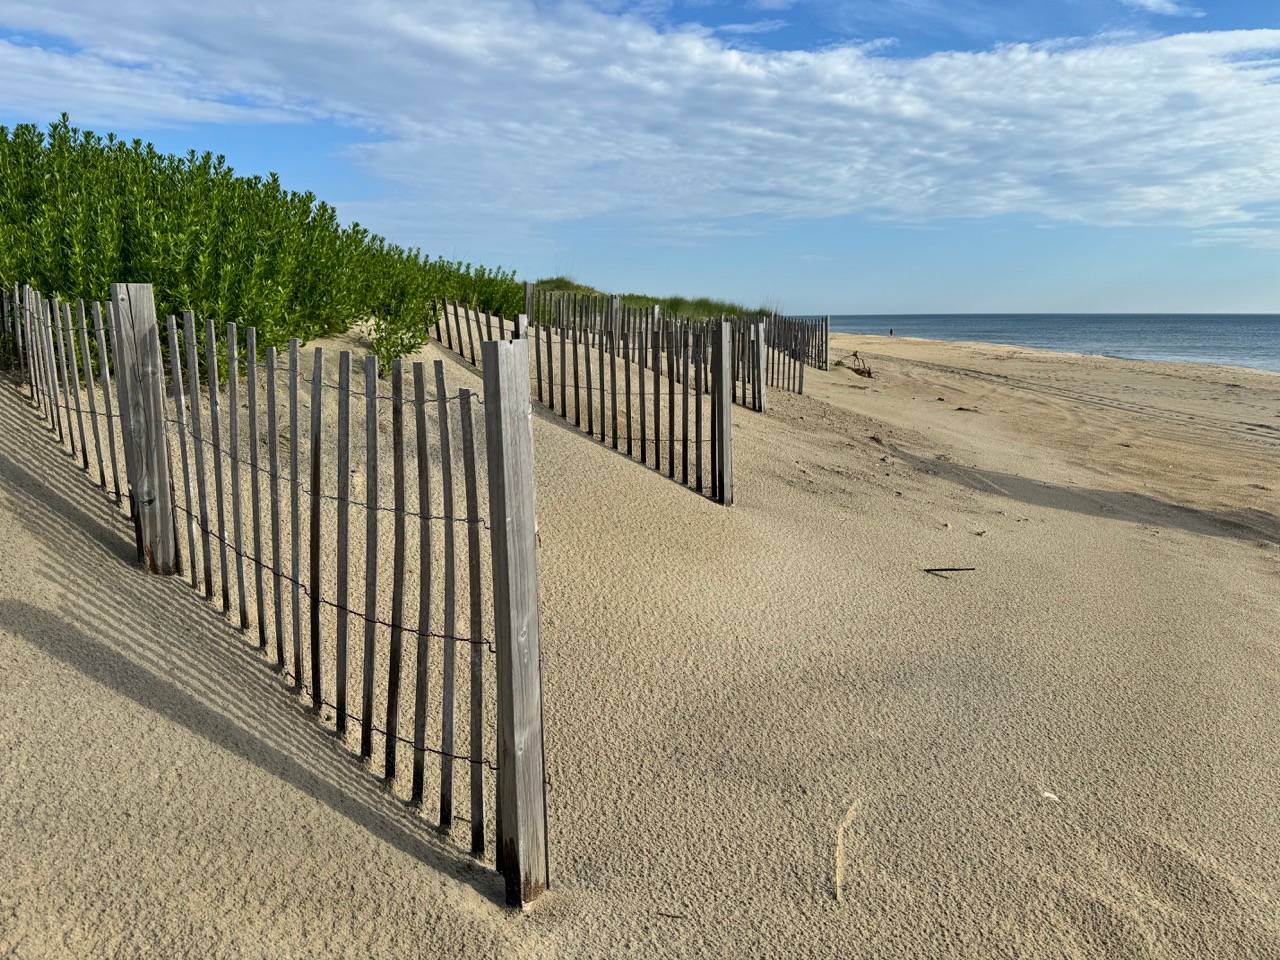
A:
x: 755, y: 26
x: 1166, y: 8
x: 503, y: 109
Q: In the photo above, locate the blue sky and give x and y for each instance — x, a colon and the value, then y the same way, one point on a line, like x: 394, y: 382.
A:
x: 846, y: 156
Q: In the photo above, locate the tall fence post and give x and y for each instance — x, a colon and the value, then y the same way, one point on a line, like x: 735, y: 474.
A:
x: 759, y: 366
x: 522, y: 802
x: 724, y: 412
x: 141, y: 368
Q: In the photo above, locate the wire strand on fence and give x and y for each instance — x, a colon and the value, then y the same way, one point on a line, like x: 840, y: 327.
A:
x: 350, y: 611
x: 205, y: 441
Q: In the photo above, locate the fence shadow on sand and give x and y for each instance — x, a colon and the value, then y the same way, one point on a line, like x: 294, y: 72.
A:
x: 181, y: 658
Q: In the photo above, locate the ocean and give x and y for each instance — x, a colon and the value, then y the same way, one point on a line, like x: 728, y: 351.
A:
x: 1245, y: 340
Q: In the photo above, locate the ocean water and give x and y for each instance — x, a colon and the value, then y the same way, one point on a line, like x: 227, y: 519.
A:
x: 1245, y: 340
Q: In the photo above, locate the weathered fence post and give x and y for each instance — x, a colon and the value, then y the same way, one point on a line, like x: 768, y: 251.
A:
x: 522, y: 803
x: 141, y: 368
x: 522, y: 327
x: 724, y: 411
x: 759, y: 366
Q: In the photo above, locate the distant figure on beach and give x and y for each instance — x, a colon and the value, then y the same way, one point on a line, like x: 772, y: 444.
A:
x: 891, y: 331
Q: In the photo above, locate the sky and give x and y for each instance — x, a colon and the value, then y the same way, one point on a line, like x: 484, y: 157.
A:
x: 828, y: 156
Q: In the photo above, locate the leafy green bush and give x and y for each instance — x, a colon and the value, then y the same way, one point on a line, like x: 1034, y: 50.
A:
x: 78, y: 211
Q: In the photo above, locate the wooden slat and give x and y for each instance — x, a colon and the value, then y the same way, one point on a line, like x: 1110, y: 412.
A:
x: 295, y: 518
x: 197, y: 434
x: 534, y: 318
x: 370, y: 552
x: 477, y: 620
x: 140, y: 334
x: 657, y: 394
x: 395, y: 654
x: 577, y: 389
x: 724, y: 412
x: 684, y: 404
x: 628, y: 318
x: 614, y: 324
x: 255, y: 493
x: 313, y: 540
x: 179, y: 401
x: 73, y: 370
x: 64, y: 383
x: 548, y: 323
x: 215, y: 439
x: 600, y: 340
x: 642, y: 349
x: 92, y: 390
x: 671, y: 399
x: 423, y: 652
x: 233, y: 439
x: 564, y: 364
x: 273, y: 461
x: 471, y: 341
x: 341, y: 615
x: 586, y: 362
x: 52, y: 390
x: 450, y: 603
x: 104, y: 367
x: 521, y: 806
x: 697, y: 406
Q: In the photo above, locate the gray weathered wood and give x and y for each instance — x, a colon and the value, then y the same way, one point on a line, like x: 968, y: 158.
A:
x: 344, y: 511
x: 215, y: 439
x: 423, y: 651
x: 295, y: 517
x: 255, y: 492
x: 313, y: 540
x: 60, y: 348
x: 761, y: 393
x: 73, y: 370
x: 697, y: 405
x: 477, y: 618
x: 628, y: 319
x: 586, y: 357
x: 724, y: 431
x: 233, y: 439
x: 92, y: 389
x: 450, y: 602
x: 522, y: 810
x: 273, y: 463
x: 395, y: 652
x: 197, y: 435
x: 615, y: 320
x: 564, y: 364
x: 577, y: 387
x: 683, y: 350
x: 370, y: 552
x: 179, y: 401
x: 104, y: 368
x: 143, y: 367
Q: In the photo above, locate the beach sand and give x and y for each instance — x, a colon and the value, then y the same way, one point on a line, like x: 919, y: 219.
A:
x: 769, y: 732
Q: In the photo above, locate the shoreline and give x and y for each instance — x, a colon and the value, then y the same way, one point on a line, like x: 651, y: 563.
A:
x: 976, y: 344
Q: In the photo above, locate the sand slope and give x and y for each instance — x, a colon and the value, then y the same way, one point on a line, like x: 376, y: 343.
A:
x: 770, y: 733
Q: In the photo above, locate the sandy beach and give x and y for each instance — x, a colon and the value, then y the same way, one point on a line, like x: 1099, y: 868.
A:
x: 769, y: 731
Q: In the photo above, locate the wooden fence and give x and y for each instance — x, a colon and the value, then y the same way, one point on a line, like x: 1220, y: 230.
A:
x: 286, y: 563
x: 811, y: 337
x: 658, y: 391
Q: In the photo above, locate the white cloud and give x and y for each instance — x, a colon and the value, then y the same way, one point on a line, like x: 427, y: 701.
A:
x: 752, y: 27
x: 504, y: 110
x: 1166, y: 8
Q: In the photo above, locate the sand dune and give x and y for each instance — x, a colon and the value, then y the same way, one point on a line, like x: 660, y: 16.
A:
x: 770, y: 733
